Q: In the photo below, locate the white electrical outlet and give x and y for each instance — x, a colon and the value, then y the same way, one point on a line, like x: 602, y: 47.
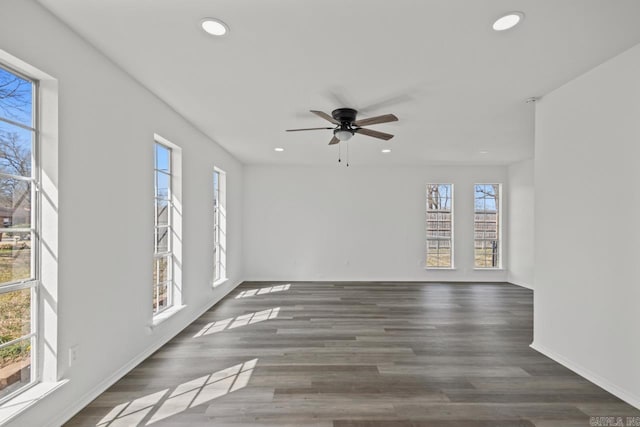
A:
x: 73, y: 355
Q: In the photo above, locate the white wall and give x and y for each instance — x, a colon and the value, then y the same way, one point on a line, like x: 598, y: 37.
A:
x: 107, y: 122
x: 356, y: 223
x: 587, y: 291
x: 520, y: 223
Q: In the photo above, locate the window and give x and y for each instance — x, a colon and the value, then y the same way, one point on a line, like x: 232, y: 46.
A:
x: 163, y: 254
x: 439, y: 226
x: 19, y: 232
x: 487, y: 226
x: 219, y: 226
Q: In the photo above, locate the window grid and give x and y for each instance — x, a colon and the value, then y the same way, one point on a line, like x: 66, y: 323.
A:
x: 487, y: 226
x: 163, y: 230
x: 439, y: 226
x: 19, y: 233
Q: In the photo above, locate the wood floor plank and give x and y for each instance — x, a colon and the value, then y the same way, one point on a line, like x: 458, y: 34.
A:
x: 356, y: 354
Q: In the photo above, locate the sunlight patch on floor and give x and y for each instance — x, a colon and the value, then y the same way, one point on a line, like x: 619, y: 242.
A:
x: 263, y: 291
x: 163, y: 404
x: 235, y: 322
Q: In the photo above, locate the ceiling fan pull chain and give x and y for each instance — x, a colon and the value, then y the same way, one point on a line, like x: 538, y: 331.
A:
x: 339, y: 153
x: 347, y: 153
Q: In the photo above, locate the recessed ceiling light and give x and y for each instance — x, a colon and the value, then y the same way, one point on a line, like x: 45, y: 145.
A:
x: 215, y: 27
x: 484, y: 152
x: 278, y: 149
x: 507, y: 21
x: 386, y: 150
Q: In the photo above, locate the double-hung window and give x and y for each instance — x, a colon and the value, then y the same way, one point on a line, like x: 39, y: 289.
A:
x: 163, y: 248
x: 487, y: 251
x: 19, y: 232
x: 439, y: 226
x: 219, y: 226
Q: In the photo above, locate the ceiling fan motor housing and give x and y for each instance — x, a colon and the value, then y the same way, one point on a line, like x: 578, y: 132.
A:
x: 344, y: 115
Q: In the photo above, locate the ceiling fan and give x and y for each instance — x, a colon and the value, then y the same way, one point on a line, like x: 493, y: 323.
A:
x: 346, y: 124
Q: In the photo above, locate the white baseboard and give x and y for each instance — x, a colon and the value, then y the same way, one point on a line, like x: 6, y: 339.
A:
x: 601, y: 382
x: 73, y: 409
x: 375, y: 280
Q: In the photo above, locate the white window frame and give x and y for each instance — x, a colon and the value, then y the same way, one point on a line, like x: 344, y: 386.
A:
x: 32, y: 283
x: 173, y: 254
x: 499, y: 221
x: 219, y: 226
x: 452, y: 230
x: 49, y: 355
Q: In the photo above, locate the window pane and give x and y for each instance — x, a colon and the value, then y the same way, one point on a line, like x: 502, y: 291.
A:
x: 480, y: 258
x: 162, y: 239
x: 161, y: 282
x: 439, y: 254
x: 163, y: 158
x: 160, y: 297
x: 15, y: 150
x: 15, y: 257
x: 216, y: 188
x: 16, y: 98
x: 162, y: 185
x: 15, y: 367
x: 160, y: 270
x: 15, y: 203
x: 162, y: 212
x: 444, y: 257
x: 15, y: 314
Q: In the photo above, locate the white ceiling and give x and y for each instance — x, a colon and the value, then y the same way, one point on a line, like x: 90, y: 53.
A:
x: 457, y: 86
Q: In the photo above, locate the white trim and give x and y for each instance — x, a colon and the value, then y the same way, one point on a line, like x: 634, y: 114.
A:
x: 174, y: 225
x: 402, y: 281
x: 165, y: 314
x: 23, y: 401
x: 168, y: 232
x: 220, y: 281
x: 601, y: 382
x: 441, y: 268
x: 451, y: 229
x: 499, y: 227
x: 67, y: 413
x: 220, y: 227
x: 14, y: 67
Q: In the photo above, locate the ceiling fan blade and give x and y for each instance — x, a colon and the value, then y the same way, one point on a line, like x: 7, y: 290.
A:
x: 334, y: 140
x: 374, y: 133
x: 325, y: 116
x: 375, y: 120
x: 298, y: 130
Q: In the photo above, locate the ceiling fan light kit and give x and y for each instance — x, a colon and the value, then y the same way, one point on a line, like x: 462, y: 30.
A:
x: 343, y: 134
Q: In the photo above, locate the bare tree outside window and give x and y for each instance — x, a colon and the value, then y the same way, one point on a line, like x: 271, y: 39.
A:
x: 17, y: 272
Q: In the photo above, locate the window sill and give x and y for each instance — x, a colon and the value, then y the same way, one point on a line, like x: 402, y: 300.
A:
x: 161, y: 317
x: 440, y: 268
x: 489, y: 269
x: 220, y: 282
x: 28, y: 398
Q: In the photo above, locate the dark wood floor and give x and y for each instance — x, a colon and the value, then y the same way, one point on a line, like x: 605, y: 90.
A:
x: 356, y: 355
